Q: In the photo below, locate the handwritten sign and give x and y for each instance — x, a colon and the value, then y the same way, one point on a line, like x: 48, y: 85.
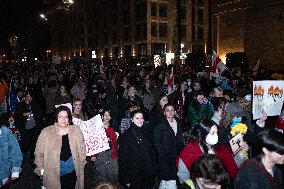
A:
x: 237, y: 143
x: 94, y: 134
x: 68, y: 105
x: 267, y: 96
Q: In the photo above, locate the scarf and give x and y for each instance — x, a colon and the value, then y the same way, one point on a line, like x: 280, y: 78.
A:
x: 112, y: 137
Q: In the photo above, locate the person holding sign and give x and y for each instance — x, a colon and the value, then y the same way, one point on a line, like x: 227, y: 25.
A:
x: 263, y: 171
x: 60, y: 152
x: 106, y: 161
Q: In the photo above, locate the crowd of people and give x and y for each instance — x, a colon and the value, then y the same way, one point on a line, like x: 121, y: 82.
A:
x: 167, y: 127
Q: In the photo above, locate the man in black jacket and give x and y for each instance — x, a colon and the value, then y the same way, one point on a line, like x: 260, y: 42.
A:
x: 28, y: 120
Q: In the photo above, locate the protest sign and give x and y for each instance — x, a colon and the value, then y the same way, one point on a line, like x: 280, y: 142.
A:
x: 267, y: 97
x: 94, y: 134
x: 237, y: 143
x: 68, y: 105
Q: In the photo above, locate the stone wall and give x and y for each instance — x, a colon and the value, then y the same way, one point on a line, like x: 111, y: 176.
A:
x: 264, y: 36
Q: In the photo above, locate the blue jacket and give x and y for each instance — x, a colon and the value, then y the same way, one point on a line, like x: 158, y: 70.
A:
x: 10, y: 154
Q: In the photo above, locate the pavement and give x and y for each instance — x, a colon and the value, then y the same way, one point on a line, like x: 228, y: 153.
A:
x: 29, y: 180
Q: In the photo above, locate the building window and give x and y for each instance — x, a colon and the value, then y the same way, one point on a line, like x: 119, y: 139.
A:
x: 142, y: 49
x: 193, y: 33
x: 158, y: 48
x: 200, y: 16
x: 105, y: 37
x: 115, y: 52
x: 183, y: 12
x: 106, y: 52
x: 127, y: 50
x: 144, y: 9
x: 138, y: 32
x: 125, y: 16
x: 200, y: 33
x: 193, y: 15
x: 144, y: 31
x: 200, y: 2
x: 137, y: 11
x: 154, y: 29
x: 163, y: 10
x: 163, y: 30
x: 114, y: 36
x: 126, y: 32
x: 183, y: 31
x: 154, y: 8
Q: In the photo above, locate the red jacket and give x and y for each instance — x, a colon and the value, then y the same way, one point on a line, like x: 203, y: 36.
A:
x: 192, y: 152
x: 3, y: 91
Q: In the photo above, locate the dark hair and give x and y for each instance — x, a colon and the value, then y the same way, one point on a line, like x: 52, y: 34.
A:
x: 219, y: 102
x: 162, y: 94
x: 77, y: 100
x: 272, y: 140
x: 136, y: 112
x: 209, y: 167
x: 4, y: 119
x: 106, y: 185
x: 196, y: 81
x: 60, y: 109
x: 200, y: 132
x: 106, y: 109
x: 228, y: 92
x: 132, y: 104
x: 168, y: 104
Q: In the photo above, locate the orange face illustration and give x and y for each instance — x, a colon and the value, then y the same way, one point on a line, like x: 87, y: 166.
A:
x: 275, y: 92
x: 258, y: 91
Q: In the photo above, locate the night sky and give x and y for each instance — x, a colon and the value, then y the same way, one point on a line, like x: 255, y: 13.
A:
x: 21, y: 18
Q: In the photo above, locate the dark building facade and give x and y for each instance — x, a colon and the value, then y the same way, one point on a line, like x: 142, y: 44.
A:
x: 122, y: 28
x: 255, y: 27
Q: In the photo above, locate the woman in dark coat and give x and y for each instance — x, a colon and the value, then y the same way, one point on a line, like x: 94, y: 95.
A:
x: 167, y: 137
x: 137, y: 166
x: 263, y: 172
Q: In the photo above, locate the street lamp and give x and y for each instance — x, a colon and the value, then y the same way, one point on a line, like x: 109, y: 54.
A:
x: 42, y: 16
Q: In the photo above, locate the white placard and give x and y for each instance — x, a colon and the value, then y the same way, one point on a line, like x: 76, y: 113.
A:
x: 94, y: 134
x: 169, y: 57
x: 237, y: 143
x: 267, y: 96
x: 157, y: 60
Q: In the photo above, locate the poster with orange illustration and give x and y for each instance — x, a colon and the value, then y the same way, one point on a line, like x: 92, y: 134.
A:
x: 267, y: 96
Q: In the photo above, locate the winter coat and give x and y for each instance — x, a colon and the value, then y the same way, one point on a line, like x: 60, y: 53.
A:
x: 194, y: 115
x: 10, y: 154
x: 47, y: 155
x: 167, y: 146
x: 192, y: 151
x: 253, y: 175
x: 136, y: 155
x: 20, y: 120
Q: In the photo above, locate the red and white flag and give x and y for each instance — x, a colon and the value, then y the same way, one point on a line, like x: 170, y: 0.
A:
x: 171, y: 82
x: 217, y: 65
x: 171, y: 78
